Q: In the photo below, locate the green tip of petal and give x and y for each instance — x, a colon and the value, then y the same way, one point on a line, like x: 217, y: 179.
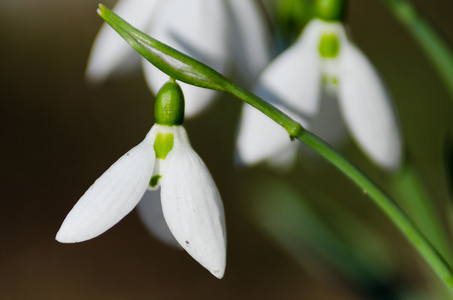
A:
x: 329, y: 10
x: 169, y: 107
x: 329, y: 46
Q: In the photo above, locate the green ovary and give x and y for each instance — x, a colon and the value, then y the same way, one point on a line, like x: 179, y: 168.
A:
x: 329, y: 47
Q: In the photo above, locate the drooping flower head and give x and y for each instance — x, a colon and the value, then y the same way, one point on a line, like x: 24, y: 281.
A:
x: 165, y: 164
x: 323, y: 61
x: 220, y: 33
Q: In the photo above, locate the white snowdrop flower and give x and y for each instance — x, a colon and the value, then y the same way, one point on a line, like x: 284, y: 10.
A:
x: 164, y: 162
x: 323, y: 58
x: 207, y: 30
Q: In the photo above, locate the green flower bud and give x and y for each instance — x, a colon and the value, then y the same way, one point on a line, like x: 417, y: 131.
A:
x: 169, y: 107
x: 329, y: 10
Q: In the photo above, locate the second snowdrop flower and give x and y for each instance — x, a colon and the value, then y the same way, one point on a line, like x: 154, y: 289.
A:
x: 324, y: 58
x: 191, y: 203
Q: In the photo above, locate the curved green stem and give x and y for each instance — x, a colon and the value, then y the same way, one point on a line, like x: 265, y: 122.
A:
x: 186, y: 69
x: 435, y: 48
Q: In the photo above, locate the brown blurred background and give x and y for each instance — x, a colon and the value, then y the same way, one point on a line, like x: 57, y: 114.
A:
x: 58, y: 135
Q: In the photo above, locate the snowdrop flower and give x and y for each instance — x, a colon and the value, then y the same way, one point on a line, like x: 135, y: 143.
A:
x: 191, y: 204
x: 207, y: 30
x: 323, y: 58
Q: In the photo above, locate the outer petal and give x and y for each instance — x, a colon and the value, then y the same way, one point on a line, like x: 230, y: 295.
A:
x: 110, y: 51
x: 367, y: 109
x: 249, y: 38
x: 294, y: 77
x: 259, y: 138
x: 112, y: 196
x: 192, y: 206
x: 150, y: 212
x: 197, y: 28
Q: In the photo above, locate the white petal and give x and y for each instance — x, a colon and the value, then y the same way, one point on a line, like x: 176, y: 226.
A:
x: 192, y: 206
x: 367, y: 109
x: 259, y: 138
x: 110, y: 52
x: 249, y: 38
x: 294, y: 77
x: 150, y: 212
x: 112, y: 196
x: 197, y: 28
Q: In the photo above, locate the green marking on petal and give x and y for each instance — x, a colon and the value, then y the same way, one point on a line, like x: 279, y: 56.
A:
x: 163, y: 144
x: 154, y: 180
x: 329, y: 47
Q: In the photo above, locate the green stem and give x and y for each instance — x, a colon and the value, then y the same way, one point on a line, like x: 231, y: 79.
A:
x: 435, y: 48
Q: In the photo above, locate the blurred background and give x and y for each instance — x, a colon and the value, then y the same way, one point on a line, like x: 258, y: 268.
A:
x: 309, y: 233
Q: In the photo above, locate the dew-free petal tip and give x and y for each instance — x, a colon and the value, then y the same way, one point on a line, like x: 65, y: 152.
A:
x: 218, y: 272
x: 64, y: 236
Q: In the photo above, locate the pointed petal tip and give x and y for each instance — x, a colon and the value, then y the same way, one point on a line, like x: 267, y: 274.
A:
x: 93, y: 80
x: 96, y: 73
x: 62, y: 239
x: 390, y: 162
x: 218, y: 273
x: 215, y: 264
x: 65, y: 236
